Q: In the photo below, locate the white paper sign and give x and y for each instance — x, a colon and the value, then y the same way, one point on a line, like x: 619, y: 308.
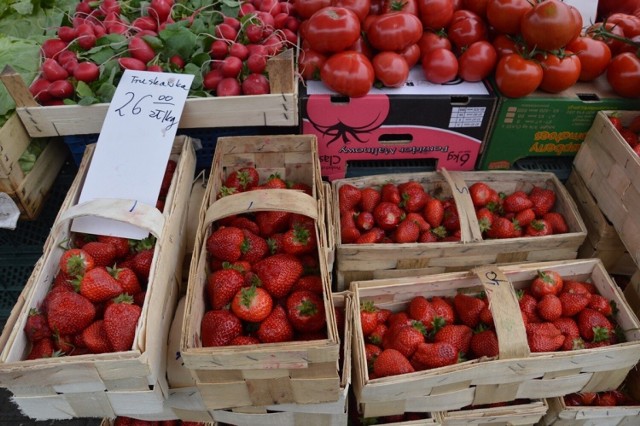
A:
x: 9, y: 212
x: 134, y: 146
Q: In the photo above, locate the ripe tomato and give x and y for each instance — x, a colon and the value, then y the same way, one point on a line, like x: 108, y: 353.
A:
x: 390, y: 68
x: 332, y: 29
x: 466, y: 30
x: 549, y: 25
x: 394, y: 31
x: 435, y: 14
x: 306, y: 8
x: 433, y: 40
x: 361, y: 45
x: 359, y: 7
x: 309, y: 64
x: 559, y: 72
x: 630, y: 24
x: 517, y: 76
x: 595, y: 31
x: 504, y: 15
x: 477, y: 61
x: 479, y: 7
x: 411, y: 54
x: 440, y: 65
x: 504, y: 45
x: 407, y: 6
x: 594, y: 56
x: 623, y: 74
x: 348, y: 73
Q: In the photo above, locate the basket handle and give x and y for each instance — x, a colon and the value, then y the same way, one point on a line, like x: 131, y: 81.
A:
x: 262, y: 200
x: 128, y: 211
x: 469, y: 227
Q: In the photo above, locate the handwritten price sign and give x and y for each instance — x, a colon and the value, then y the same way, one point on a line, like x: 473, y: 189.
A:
x: 134, y: 145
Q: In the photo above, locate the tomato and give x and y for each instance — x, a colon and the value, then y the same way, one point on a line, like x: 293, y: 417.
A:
x: 623, y: 74
x: 549, y: 25
x: 477, y: 61
x: 631, y: 47
x: 435, y: 14
x: 348, y: 73
x: 504, y: 45
x: 359, y: 7
x: 577, y: 18
x: 332, y: 29
x: 504, y: 15
x: 390, y: 68
x: 517, y: 76
x: 630, y: 24
x: 362, y: 45
x: 407, y: 6
x: 433, y: 40
x: 306, y: 8
x: 411, y: 54
x: 376, y: 7
x: 309, y: 64
x: 559, y: 72
x: 596, y: 31
x: 465, y: 31
x: 479, y: 7
x: 440, y: 66
x: 394, y: 31
x: 594, y: 56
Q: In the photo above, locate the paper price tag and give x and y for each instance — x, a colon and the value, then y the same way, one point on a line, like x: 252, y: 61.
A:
x: 134, y: 146
x: 9, y: 212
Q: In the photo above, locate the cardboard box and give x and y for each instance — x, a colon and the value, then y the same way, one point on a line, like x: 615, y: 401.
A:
x: 444, y: 123
x: 547, y: 125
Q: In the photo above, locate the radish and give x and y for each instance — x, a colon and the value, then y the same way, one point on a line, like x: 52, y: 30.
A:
x: 257, y: 63
x: 211, y: 79
x: 219, y: 49
x: 87, y: 72
x: 280, y: 20
x: 255, y: 84
x: 60, y: 89
x: 239, y: 50
x: 132, y: 64
x: 254, y: 33
x: 67, y: 34
x: 110, y: 6
x: 225, y: 32
x: 155, y: 68
x: 53, y: 71
x: 233, y: 22
x: 140, y: 49
x: 66, y: 55
x: 51, y: 47
x: 160, y: 10
x: 245, y: 9
x: 177, y: 61
x: 144, y: 23
x: 228, y: 87
x: 39, y: 88
x: 70, y: 65
x: 231, y: 66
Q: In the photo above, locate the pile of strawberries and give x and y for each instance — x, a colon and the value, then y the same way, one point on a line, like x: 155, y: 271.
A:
x: 129, y: 421
x: 612, y: 398
x: 265, y: 283
x: 519, y: 214
x: 630, y: 133
x: 396, y: 213
x: 564, y: 315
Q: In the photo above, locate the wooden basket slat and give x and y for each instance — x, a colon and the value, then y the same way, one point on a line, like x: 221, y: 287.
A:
x: 525, y: 413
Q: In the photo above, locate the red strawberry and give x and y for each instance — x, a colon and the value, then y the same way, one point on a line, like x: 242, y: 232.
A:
x: 413, y: 197
x: 365, y: 221
x: 543, y: 200
x: 387, y: 215
x: 300, y: 186
x: 572, y: 286
x: 94, y: 337
x: 42, y: 348
x: 276, y: 327
x: 450, y: 219
x: 406, y: 232
x: 369, y: 199
x: 64, y: 343
x: 225, y: 243
x: 121, y: 244
x: 390, y: 193
x: 480, y: 194
x: 485, y: 219
x: 484, y: 343
x: 458, y: 335
x: 98, y: 285
x: 390, y: 362
x: 557, y: 221
x: 252, y: 304
x: 516, y: 202
x: 299, y: 240
x: 594, y: 326
x: 127, y: 279
x: 538, y: 228
x: 373, y: 236
x: 433, y: 212
x: 569, y: 329
x: 368, y: 317
x: 104, y: 254
x: 75, y: 262
x: 444, y: 310
x: 120, y: 322
x: 406, y: 338
x: 605, y: 399
x: 253, y: 247
x: 420, y: 309
x: 69, y: 312
x: 371, y: 352
x: 423, y: 225
x: 243, y: 179
x: 222, y: 286
x: 550, y: 307
x: 486, y: 316
x: 601, y: 304
x: 312, y: 283
x: 544, y: 337
x: 429, y: 236
x: 278, y: 273
x: 502, y: 228
x: 434, y: 355
x: 468, y: 309
x: 274, y: 181
x: 243, y: 222
x: 141, y: 264
x: 529, y: 307
x: 219, y: 328
x: 573, y: 303
x: 272, y: 222
x: 306, y: 311
x: 36, y: 326
x: 349, y: 197
x: 379, y: 335
x: 244, y: 340
x: 546, y: 282
x: 525, y: 217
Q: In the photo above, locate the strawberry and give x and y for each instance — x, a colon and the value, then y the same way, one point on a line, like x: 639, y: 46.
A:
x: 219, y: 327
x: 312, y: 283
x: 371, y: 352
x: 546, y: 282
x: 444, y: 309
x: 120, y: 322
x: 169, y: 171
x: 544, y: 337
x: 368, y: 317
x: 502, y: 228
x: 222, y: 286
x: 127, y: 279
x: 572, y: 303
x: 244, y: 340
x: 274, y: 181
x: 529, y: 307
x: 605, y: 399
x: 413, y: 197
x: 365, y: 221
x: 484, y: 343
x: 450, y: 219
x: 538, y: 228
x: 516, y: 202
x: 104, y: 254
x: 64, y: 343
x: 387, y: 215
x: 390, y: 362
x: 594, y: 326
x: 423, y: 225
x: 95, y: 338
x: 244, y: 222
x: 36, y: 326
x: 525, y: 217
x: 434, y: 355
x: 225, y: 243
x: 141, y: 263
x: 480, y: 194
x: 458, y: 335
x: 433, y: 212
x: 420, y: 309
x: 369, y: 199
x: 543, y: 200
x: 390, y: 193
x: 588, y: 398
x: 252, y: 304
x: 348, y: 234
x: 272, y: 222
x: 69, y: 312
x: 98, y: 285
x: 278, y: 273
x: 79, y: 239
x: 299, y: 240
x: 550, y: 307
x: 601, y: 304
x: 349, y: 197
x: 406, y: 232
x: 253, y: 247
x: 569, y: 329
x: 306, y: 311
x: 243, y: 179
x: 379, y: 334
x: 572, y: 286
x: 616, y: 122
x: 121, y: 244
x: 42, y: 348
x: 485, y: 219
x: 75, y: 262
x: 276, y: 327
x: 557, y: 221
x: 468, y: 309
x: 372, y: 236
x: 406, y: 338
x: 300, y: 186
x: 429, y: 236
x: 486, y: 316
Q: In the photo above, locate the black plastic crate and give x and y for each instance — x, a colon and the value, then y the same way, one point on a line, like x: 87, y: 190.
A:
x: 15, y: 271
x: 560, y: 166
x: 380, y: 167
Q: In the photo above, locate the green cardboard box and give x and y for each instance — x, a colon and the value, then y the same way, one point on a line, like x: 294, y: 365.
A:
x: 546, y: 125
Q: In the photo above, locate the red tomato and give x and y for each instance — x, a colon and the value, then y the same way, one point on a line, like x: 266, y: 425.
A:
x: 310, y: 63
x: 359, y: 7
x: 433, y: 40
x: 411, y: 54
x: 390, y: 68
x: 332, y: 29
x: 630, y: 24
x: 477, y: 61
x: 504, y: 45
x: 615, y: 45
x: 549, y: 25
x: 517, y: 76
x: 348, y: 73
x: 394, y: 31
x: 306, y: 8
x: 504, y: 15
x: 435, y: 14
x: 465, y: 31
x: 361, y: 45
x: 623, y: 74
x: 559, y: 72
x: 407, y: 6
x: 440, y: 66
x: 594, y: 56
x: 479, y: 7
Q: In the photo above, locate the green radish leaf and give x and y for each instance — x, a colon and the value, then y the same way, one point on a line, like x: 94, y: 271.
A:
x: 178, y: 41
x: 154, y: 42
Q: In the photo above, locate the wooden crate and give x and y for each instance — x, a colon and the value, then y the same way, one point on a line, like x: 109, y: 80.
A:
x: 356, y: 262
x: 525, y: 413
x: 264, y: 374
x: 279, y: 108
x: 515, y: 373
x: 611, y: 171
x: 602, y: 239
x: 28, y: 191
x: 118, y: 383
x: 632, y: 292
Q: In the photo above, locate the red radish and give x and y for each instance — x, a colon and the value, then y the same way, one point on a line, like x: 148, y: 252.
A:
x: 254, y: 33
x: 293, y: 24
x: 53, y: 71
x: 257, y: 63
x: 177, y: 61
x: 273, y: 44
x: 140, y: 49
x: 144, y: 23
x: 228, y: 87
x: 289, y: 36
x: 231, y: 66
x: 155, y: 68
x: 39, y: 88
x: 87, y: 72
x: 246, y: 8
x: 132, y: 64
x: 110, y: 6
x: 212, y: 79
x: 83, y: 8
x: 160, y: 9
x: 114, y: 24
x: 219, y: 49
x: 66, y: 34
x: 70, y: 65
x: 233, y: 22
x: 66, y: 55
x: 280, y: 20
x: 255, y: 84
x: 99, y: 30
x: 52, y: 47
x: 257, y: 49
x: 61, y: 89
x: 225, y: 32
x: 239, y: 50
